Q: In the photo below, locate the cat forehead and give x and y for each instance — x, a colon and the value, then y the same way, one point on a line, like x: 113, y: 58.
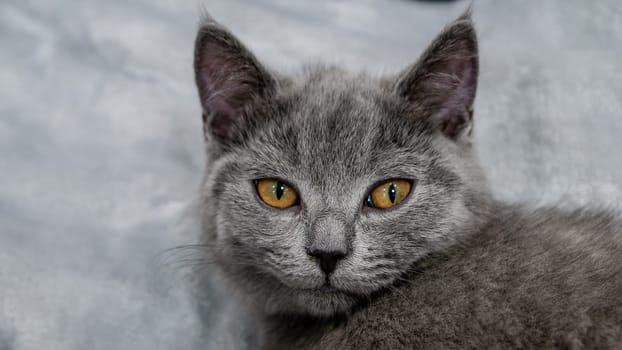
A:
x: 330, y: 107
x: 332, y: 122
x: 333, y: 105
x: 322, y: 99
x: 321, y: 84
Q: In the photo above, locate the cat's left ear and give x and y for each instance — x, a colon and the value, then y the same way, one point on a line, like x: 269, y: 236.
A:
x: 443, y: 82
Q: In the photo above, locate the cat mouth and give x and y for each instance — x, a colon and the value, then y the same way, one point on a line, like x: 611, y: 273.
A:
x: 328, y: 289
x: 324, y: 289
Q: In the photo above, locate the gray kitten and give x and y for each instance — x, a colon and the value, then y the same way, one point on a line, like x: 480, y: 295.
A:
x: 351, y: 212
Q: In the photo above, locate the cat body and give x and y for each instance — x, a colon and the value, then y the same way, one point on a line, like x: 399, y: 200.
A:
x: 530, y: 279
x: 350, y: 212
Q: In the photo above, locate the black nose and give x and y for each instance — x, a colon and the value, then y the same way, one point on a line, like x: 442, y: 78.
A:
x: 328, y: 259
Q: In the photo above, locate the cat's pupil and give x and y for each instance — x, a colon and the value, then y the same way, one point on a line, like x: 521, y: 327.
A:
x: 279, y: 189
x: 392, y: 192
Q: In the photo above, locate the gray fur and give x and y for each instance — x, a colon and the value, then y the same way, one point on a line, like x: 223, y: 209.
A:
x: 448, y: 268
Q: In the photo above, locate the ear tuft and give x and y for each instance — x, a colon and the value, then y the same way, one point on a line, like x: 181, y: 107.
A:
x: 228, y: 78
x: 444, y: 80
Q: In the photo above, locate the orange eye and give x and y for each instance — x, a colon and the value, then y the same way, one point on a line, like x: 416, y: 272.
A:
x: 389, y: 194
x: 276, y: 194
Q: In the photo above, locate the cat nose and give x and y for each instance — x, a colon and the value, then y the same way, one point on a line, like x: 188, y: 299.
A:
x: 327, y: 259
x: 328, y: 241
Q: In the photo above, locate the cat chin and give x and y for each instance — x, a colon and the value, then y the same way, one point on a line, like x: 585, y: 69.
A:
x: 305, y: 299
x: 319, y: 302
x: 325, y: 302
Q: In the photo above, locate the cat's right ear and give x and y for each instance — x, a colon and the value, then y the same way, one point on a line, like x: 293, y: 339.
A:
x: 229, y: 79
x: 442, y: 84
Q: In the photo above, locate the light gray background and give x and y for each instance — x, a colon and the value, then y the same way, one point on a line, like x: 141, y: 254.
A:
x: 101, y: 149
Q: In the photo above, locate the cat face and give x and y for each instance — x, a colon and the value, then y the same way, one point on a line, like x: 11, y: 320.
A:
x: 324, y: 188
